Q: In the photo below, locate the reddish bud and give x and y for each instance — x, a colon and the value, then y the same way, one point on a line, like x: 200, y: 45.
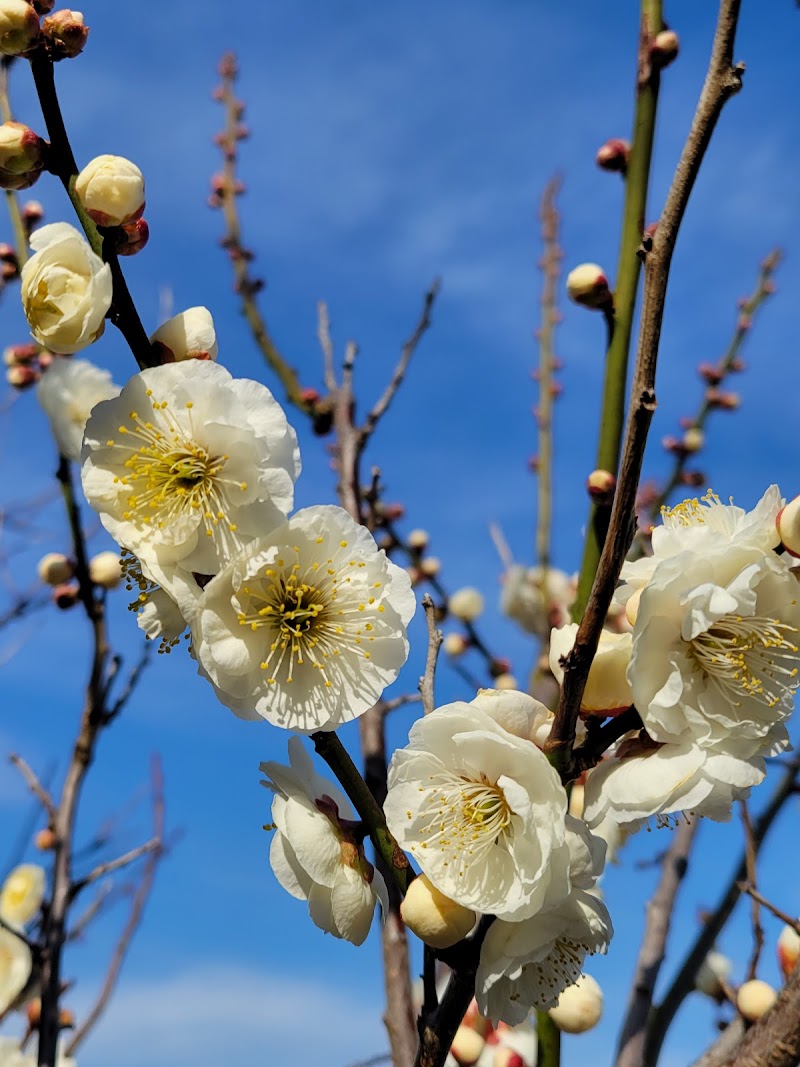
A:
x: 613, y: 155
x: 66, y: 595
x: 66, y: 32
x: 136, y: 235
x: 45, y: 840
x: 21, y: 376
x: 665, y: 48
x: 310, y: 396
x: 710, y: 373
x: 600, y: 486
x: 32, y: 213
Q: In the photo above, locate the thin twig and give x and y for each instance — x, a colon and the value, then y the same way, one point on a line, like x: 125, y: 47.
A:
x: 326, y: 344
x: 155, y: 844
x: 751, y: 891
x: 134, y: 916
x: 654, y: 946
x: 35, y: 786
x: 84, y: 920
x: 134, y: 676
x: 382, y: 405
x: 755, y: 914
x: 723, y: 80
x: 426, y: 682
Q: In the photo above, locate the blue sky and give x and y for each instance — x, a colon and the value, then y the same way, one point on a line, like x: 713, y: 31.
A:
x: 391, y: 144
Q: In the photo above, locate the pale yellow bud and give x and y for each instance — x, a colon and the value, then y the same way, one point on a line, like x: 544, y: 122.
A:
x: 105, y: 570
x: 601, y: 485
x: 579, y: 1007
x: 506, y: 681
x: 788, y: 524
x: 576, y: 796
x: 418, y: 539
x: 67, y: 33
x: 467, y: 1046
x: 22, y: 894
x: 19, y: 27
x: 455, y: 645
x: 190, y: 335
x: 587, y: 285
x: 21, y: 150
x: 55, y: 568
x: 755, y: 998
x: 111, y: 189
x: 665, y: 47
x: 607, y: 688
x: 433, y: 917
x: 693, y: 439
x: 788, y: 950
x: 430, y: 566
x: 465, y: 604
x: 713, y: 971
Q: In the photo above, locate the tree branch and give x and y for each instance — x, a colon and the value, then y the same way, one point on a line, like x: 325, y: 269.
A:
x: 434, y: 642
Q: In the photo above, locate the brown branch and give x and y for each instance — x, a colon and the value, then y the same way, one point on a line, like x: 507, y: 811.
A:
x: 654, y: 946
x: 155, y: 844
x: 683, y: 982
x: 722, y: 81
x: 326, y: 344
x: 434, y: 642
x: 34, y: 785
x: 773, y: 1041
x: 755, y: 914
x: 135, y: 915
x: 382, y: 405
x: 601, y: 738
x: 751, y: 891
x: 726, y: 1043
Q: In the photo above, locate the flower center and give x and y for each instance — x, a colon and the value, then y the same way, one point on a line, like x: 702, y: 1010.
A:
x: 170, y: 476
x: 467, y: 818
x: 749, y: 658
x: 309, y: 612
x: 561, y: 967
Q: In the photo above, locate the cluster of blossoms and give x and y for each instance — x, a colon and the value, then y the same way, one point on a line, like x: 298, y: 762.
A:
x: 711, y: 665
x: 479, y: 807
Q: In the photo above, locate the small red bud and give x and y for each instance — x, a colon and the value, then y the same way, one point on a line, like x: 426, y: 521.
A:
x: 136, y: 235
x: 310, y: 396
x: 665, y: 48
x: 613, y: 155
x: 600, y: 486
x: 66, y: 595
x: 21, y: 376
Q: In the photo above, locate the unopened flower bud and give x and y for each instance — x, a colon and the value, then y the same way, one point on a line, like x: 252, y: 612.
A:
x: 135, y: 237
x: 693, y: 439
x: 66, y: 596
x: 19, y: 27
x: 715, y: 398
x: 32, y: 213
x: 506, y: 681
x: 665, y: 48
x: 710, y: 373
x: 713, y: 971
x: 788, y: 950
x: 105, y: 570
x: 190, y: 335
x: 21, y: 154
x: 754, y: 999
x: 465, y: 604
x: 66, y: 1019
x: 430, y: 566
x: 16, y: 354
x: 66, y: 32
x: 433, y: 917
x: 579, y: 1007
x: 467, y: 1046
x: 45, y: 840
x: 587, y: 285
x: 613, y: 155
x: 455, y: 645
x: 393, y: 512
x: 601, y: 485
x: 418, y: 540
x: 55, y: 568
x: 507, y: 1057
x: 33, y: 1010
x: 22, y: 377
x: 111, y: 189
x: 787, y: 522
x: 22, y: 894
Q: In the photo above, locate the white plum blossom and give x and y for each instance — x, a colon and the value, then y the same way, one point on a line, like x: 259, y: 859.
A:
x: 316, y: 854
x: 22, y: 894
x: 481, y: 810
x: 111, y: 190
x: 11, y: 1055
x: 188, y: 464
x: 307, y: 625
x: 16, y: 963
x: 67, y: 391
x: 537, y: 599
x: 607, y: 687
x: 189, y: 335
x: 716, y: 643
x: 646, y: 779
x: 527, y: 964
x: 66, y: 289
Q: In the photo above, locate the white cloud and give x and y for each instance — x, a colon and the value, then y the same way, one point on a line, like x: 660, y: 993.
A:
x: 215, y: 1014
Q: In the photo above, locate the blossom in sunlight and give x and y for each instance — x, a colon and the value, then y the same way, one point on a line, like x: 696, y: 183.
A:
x: 646, y: 779
x: 111, y: 190
x: 526, y: 965
x: 436, y: 919
x: 317, y: 852
x: 481, y: 810
x: 536, y: 599
x: 15, y: 968
x: 67, y: 391
x: 307, y: 625
x: 716, y: 642
x: 607, y: 689
x: 66, y: 289
x: 579, y: 1006
x: 190, y: 335
x: 166, y: 599
x: 22, y: 894
x: 188, y: 464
